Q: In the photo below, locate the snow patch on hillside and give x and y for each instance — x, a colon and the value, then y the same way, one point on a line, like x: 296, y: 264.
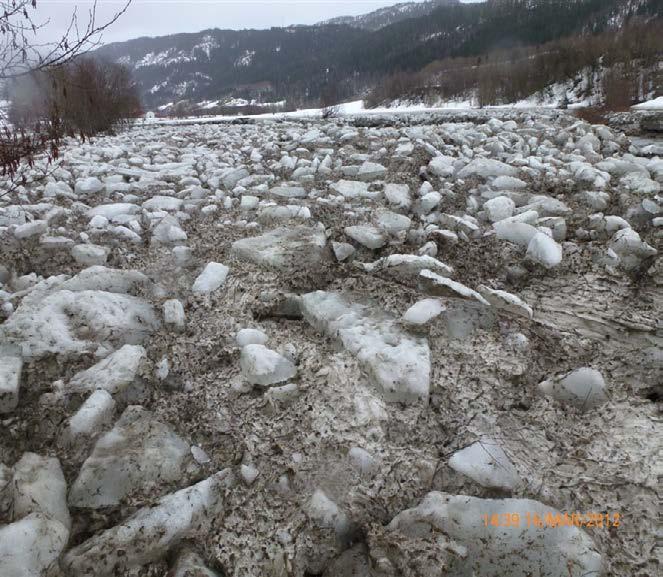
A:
x: 206, y: 46
x: 164, y: 58
x: 246, y: 59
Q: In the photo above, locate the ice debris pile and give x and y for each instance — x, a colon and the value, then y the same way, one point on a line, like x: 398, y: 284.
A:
x: 333, y: 348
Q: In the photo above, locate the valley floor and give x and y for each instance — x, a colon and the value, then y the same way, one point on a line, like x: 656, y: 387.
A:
x: 396, y: 345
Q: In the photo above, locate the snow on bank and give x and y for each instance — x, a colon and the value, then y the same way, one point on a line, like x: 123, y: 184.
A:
x: 552, y: 98
x: 344, y: 109
x: 656, y: 104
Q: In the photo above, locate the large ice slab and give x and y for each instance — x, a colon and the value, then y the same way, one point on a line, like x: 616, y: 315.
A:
x: 295, y: 247
x: 75, y: 315
x: 150, y: 533
x: 522, y: 551
x: 53, y: 325
x: 136, y: 456
x: 398, y: 362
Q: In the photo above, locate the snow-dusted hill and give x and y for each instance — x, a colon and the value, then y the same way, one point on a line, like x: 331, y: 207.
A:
x: 391, y: 14
x: 302, y: 63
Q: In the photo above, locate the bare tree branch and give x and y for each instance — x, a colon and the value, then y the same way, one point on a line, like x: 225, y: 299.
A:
x: 22, y: 54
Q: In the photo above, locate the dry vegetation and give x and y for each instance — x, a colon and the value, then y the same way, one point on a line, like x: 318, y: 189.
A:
x: 85, y: 96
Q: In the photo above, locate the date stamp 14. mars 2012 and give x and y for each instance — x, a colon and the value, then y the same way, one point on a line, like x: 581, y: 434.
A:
x: 551, y: 520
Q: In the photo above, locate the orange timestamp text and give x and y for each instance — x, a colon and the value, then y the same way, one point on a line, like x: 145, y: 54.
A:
x: 551, y: 520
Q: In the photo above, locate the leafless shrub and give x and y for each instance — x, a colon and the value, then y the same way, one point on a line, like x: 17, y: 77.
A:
x: 397, y: 85
x: 35, y: 126
x: 92, y: 97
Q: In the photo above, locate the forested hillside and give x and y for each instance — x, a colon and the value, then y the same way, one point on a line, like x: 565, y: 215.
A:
x: 301, y: 64
x: 614, y: 69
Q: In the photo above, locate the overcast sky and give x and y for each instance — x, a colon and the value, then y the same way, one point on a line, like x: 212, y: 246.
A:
x: 159, y: 17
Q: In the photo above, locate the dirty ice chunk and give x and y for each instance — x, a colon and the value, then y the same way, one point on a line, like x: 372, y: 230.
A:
x: 39, y: 487
x: 442, y: 286
x: 442, y: 166
x: 398, y: 195
x: 250, y: 337
x: 173, y: 314
x: 296, y: 247
x: 630, y: 248
x: 423, y: 311
x: 137, y: 455
x: 486, y: 463
x: 392, y: 222
x: 362, y: 461
x: 31, y: 546
x: 53, y: 323
x: 112, y: 374
x: 371, y: 171
x: 5, y: 489
x: 351, y: 188
x: 95, y: 414
x: 506, y: 301
x: 499, y: 208
x: 89, y: 254
x: 529, y: 550
x: 10, y: 380
x: 397, y: 362
x: 168, y: 231
x: 326, y: 513
x: 288, y: 191
x: 408, y: 265
x: 150, y: 533
x: 88, y: 185
x: 544, y: 250
x: 190, y: 564
x: 487, y: 167
x: 519, y: 233
x: 583, y: 388
x: 283, y: 394
x: 108, y: 279
x: 30, y: 229
x: 249, y: 473
x: 232, y: 176
x: 166, y: 203
x: 366, y: 235
x: 111, y: 211
x: 263, y: 366
x: 212, y: 277
x: 342, y: 250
